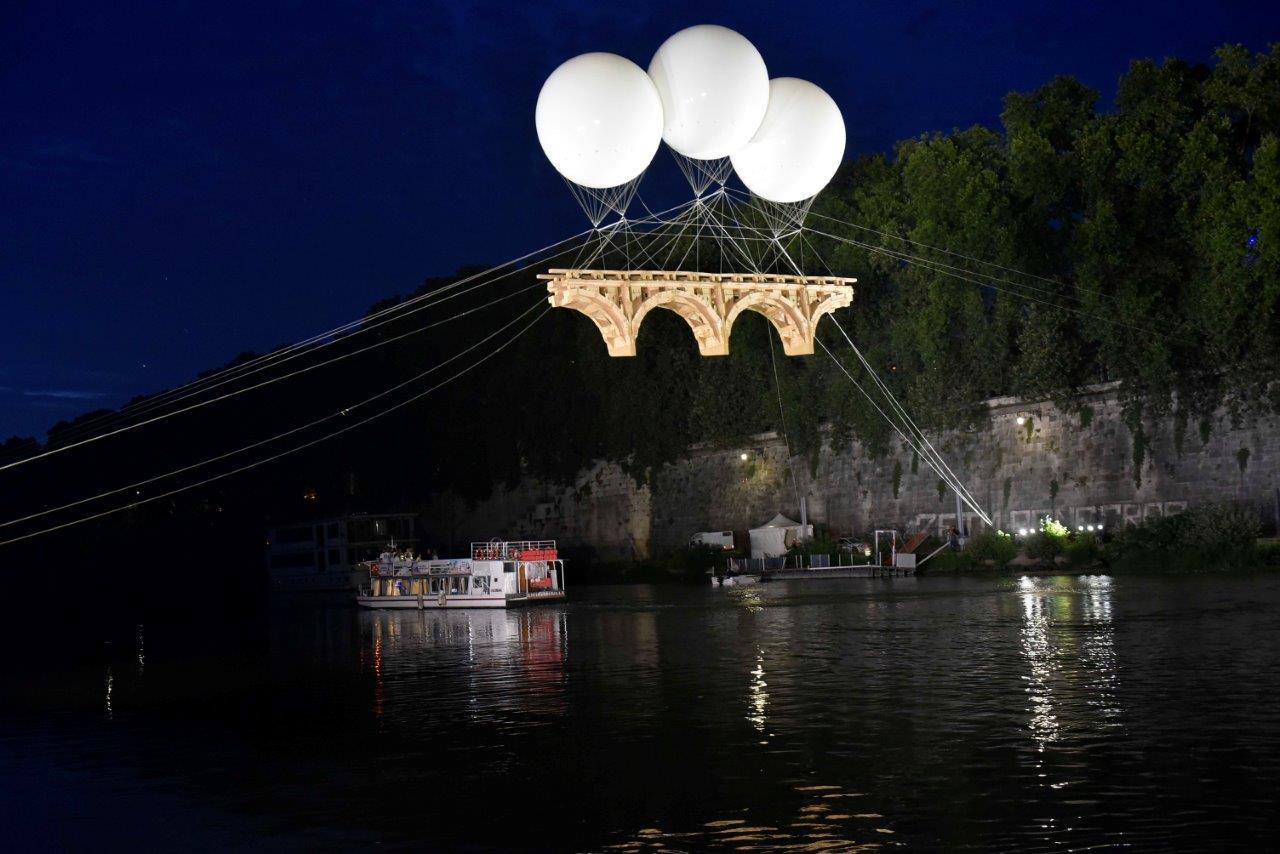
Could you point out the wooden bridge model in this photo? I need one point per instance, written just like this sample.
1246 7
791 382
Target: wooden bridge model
617 301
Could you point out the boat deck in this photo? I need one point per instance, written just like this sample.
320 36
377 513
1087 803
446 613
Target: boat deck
859 571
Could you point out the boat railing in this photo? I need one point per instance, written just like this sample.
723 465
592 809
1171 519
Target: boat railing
755 565
528 550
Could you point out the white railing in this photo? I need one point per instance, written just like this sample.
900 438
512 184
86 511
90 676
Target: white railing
515 550
787 563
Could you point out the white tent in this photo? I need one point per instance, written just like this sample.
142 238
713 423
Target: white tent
775 537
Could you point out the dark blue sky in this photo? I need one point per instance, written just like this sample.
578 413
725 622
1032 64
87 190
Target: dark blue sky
180 182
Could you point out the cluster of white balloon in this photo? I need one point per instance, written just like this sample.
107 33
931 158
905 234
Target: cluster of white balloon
707 94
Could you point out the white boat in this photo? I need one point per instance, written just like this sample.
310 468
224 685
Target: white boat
497 575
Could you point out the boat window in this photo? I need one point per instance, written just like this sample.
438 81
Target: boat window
333 556
435 585
333 530
481 584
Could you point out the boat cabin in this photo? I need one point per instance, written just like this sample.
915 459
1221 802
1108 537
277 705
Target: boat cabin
498 573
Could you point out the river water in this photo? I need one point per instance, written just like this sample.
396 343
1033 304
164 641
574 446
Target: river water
1028 714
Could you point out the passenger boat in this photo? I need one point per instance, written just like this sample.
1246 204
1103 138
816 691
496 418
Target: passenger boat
498 574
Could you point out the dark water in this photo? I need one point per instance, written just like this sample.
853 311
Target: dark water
995 714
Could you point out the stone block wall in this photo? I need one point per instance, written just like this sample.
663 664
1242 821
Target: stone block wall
1078 468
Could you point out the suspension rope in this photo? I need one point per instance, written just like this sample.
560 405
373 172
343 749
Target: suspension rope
901 412
942 471
233 393
288 451
343 411
259 363
990 282
782 419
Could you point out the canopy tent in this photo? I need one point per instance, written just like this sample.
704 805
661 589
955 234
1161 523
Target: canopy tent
775 537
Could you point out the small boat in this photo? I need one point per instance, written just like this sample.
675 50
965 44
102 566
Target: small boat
498 574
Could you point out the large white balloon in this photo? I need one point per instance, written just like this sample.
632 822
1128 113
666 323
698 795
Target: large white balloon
714 88
599 120
798 147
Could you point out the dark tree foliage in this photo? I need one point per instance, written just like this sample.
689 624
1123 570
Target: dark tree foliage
1138 245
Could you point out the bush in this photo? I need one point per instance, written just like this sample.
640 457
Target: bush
1054 528
1220 528
1268 556
1207 538
949 561
1082 550
1043 546
995 546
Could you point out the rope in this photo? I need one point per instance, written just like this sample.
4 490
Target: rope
284 453
284 354
339 412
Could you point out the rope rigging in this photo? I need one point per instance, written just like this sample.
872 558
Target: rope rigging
341 412
744 231
311 443
325 339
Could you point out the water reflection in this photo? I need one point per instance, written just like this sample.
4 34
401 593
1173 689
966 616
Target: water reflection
511 663
1039 654
758 694
110 689
1068 642
942 713
1098 647
818 817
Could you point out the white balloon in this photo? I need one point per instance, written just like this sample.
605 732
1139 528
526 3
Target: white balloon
599 120
798 147
714 88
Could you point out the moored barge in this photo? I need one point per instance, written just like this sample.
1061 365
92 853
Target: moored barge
498 574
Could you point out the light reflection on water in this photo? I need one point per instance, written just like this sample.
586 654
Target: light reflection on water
758 695
998 714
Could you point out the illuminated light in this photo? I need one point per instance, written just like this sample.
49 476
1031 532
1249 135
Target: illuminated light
1090 527
1022 532
1022 419
743 456
1081 527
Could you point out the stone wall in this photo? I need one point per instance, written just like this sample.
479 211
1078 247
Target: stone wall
1078 468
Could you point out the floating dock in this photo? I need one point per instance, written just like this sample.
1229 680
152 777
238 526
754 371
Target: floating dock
860 571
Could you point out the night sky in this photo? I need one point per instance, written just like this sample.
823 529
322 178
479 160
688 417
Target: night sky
181 182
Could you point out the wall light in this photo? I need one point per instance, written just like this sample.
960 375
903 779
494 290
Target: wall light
1022 419
743 456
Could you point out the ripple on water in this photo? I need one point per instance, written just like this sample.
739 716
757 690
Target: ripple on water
1014 714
